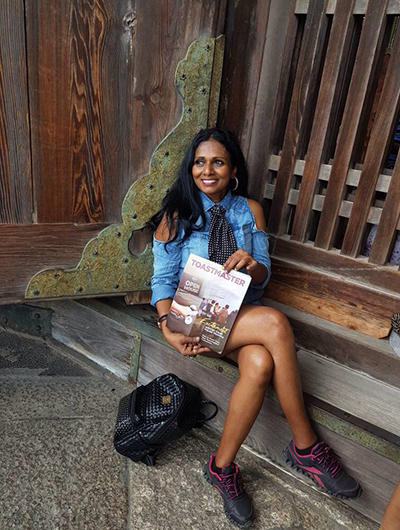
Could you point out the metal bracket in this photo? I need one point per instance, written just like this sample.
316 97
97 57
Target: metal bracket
31 320
107 265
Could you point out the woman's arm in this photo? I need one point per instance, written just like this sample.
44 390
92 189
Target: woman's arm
391 519
164 284
242 259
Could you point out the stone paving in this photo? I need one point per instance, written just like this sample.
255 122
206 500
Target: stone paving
59 470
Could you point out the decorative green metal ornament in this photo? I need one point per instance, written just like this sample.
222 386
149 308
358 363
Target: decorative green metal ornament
107 266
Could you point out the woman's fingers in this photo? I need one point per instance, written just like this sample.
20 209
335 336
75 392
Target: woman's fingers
200 349
189 340
238 260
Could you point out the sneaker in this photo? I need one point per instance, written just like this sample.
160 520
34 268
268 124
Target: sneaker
237 503
324 468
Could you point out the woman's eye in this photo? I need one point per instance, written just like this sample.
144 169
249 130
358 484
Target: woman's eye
199 162
218 162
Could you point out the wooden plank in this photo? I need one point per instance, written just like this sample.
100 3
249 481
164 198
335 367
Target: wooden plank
87 128
163 32
335 55
353 175
282 23
370 40
371 356
387 112
329 286
15 156
374 213
80 86
346 389
328 308
378 475
389 220
247 24
300 108
26 249
294 35
100 339
384 279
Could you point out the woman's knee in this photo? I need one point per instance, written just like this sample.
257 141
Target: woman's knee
257 364
278 326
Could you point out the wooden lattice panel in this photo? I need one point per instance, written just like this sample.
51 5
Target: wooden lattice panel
337 106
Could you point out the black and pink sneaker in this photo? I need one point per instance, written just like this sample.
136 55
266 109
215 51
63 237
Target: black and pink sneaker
237 503
324 468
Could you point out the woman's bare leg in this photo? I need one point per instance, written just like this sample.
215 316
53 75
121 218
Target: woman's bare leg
270 328
255 372
391 519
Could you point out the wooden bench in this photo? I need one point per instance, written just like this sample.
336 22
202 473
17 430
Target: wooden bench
353 407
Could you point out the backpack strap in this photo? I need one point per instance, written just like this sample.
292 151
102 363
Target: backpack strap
202 417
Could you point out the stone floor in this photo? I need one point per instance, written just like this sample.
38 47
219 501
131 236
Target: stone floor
59 470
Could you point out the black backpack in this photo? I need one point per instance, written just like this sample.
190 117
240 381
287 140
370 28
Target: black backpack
155 414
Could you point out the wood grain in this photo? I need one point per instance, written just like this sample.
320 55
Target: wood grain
274 78
102 340
15 156
367 53
26 249
98 120
389 220
291 52
80 86
329 309
163 32
301 109
331 287
374 357
346 390
341 28
384 279
246 27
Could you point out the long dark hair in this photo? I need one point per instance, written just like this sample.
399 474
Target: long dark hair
182 204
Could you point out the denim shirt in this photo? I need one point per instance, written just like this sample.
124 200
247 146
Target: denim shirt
170 260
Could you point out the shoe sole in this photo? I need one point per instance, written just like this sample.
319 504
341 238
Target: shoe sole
290 464
232 521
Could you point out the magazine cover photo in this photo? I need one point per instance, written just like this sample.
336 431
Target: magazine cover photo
207 301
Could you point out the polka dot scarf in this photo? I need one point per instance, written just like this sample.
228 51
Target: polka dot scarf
221 241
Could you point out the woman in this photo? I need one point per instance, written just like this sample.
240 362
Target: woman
391 518
207 212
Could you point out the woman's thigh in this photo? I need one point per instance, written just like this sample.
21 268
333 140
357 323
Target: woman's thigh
257 325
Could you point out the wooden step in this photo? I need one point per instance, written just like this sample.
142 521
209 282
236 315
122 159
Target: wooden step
340 397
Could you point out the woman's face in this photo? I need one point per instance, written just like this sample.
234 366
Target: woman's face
212 170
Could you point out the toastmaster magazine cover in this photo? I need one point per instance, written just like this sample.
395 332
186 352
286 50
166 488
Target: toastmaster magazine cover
207 302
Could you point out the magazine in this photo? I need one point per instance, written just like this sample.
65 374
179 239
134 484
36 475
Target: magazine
207 302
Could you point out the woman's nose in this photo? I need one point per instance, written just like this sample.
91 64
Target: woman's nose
208 168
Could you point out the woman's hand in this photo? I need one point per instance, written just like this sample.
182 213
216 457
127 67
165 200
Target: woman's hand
242 259
239 260
185 345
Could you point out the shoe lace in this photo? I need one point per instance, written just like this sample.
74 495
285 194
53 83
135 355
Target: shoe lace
232 484
327 459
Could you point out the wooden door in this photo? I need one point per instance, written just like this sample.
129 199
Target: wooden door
86 94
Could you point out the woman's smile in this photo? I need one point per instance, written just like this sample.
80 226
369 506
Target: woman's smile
212 169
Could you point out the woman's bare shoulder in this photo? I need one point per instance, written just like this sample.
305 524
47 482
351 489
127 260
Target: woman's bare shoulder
258 213
163 232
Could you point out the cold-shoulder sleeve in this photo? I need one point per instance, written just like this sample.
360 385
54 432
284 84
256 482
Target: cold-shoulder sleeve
260 252
167 260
